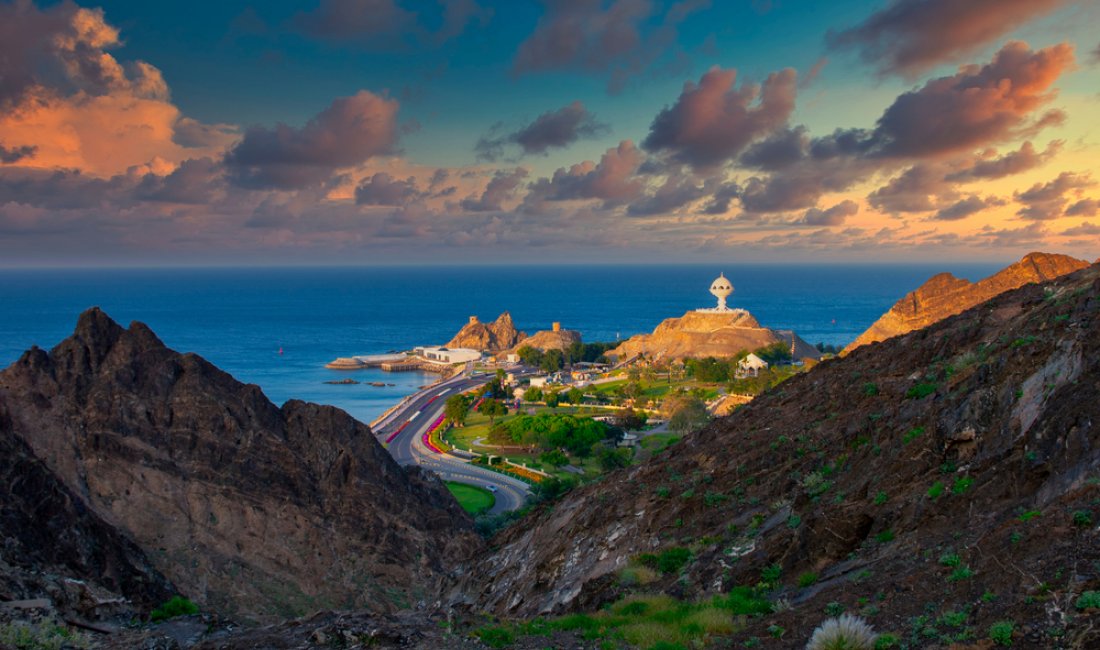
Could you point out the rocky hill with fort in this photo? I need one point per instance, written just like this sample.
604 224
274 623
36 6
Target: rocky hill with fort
499 335
155 472
710 334
945 295
554 338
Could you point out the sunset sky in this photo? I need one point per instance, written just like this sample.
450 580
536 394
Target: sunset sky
473 131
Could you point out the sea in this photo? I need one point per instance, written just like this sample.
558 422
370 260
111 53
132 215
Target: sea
277 327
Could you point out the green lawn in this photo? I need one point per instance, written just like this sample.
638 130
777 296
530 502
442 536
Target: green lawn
472 499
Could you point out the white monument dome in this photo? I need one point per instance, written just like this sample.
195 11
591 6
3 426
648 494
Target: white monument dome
721 289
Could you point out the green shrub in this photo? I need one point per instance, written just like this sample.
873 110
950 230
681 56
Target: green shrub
912 434
770 574
663 492
834 608
960 573
668 561
950 559
1088 600
920 391
885 536
496 637
880 498
176 606
870 389
962 484
935 491
843 633
887 641
794 521
807 579
1082 518
45 634
1029 515
1001 632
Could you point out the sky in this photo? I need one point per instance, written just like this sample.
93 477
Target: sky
556 131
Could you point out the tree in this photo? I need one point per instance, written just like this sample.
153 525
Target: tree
533 394
574 395
492 409
631 420
688 414
530 356
575 352
778 352
552 360
610 459
554 457
456 409
552 399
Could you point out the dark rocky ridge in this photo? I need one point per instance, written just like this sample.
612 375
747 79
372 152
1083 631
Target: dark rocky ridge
251 510
830 474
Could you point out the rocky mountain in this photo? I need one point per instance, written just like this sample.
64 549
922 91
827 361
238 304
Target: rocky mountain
709 334
944 485
555 338
251 510
945 295
499 335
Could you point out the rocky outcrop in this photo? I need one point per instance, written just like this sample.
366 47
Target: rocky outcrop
950 469
555 338
499 335
252 510
53 547
709 334
945 295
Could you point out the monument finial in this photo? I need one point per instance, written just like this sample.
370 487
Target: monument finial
721 289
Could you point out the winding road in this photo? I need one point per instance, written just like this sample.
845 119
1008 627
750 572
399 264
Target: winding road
411 420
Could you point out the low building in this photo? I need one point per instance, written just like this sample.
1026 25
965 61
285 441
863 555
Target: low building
447 356
539 382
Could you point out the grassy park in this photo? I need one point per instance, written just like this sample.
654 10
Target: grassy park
473 500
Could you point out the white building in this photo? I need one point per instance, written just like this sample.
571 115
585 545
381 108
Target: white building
751 365
539 382
447 356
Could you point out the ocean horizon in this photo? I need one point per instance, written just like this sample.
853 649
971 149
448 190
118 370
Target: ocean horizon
277 326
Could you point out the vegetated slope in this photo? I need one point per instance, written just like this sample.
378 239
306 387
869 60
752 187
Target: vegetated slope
945 295
51 546
253 511
936 483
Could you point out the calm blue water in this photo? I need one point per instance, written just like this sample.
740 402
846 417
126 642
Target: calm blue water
240 318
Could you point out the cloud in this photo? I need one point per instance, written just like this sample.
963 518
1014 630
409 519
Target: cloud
834 216
383 189
782 149
64 95
613 180
195 182
965 207
193 134
1084 208
501 188
676 192
617 39
1045 201
1083 230
551 130
909 37
15 154
1013 162
348 132
386 24
975 107
918 189
712 122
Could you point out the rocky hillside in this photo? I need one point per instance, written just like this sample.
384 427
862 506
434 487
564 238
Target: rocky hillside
945 295
254 511
499 335
555 338
52 547
708 334
944 485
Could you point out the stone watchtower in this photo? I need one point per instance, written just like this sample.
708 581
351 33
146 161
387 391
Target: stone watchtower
721 289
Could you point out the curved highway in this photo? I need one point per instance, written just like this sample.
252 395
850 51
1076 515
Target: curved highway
411 420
